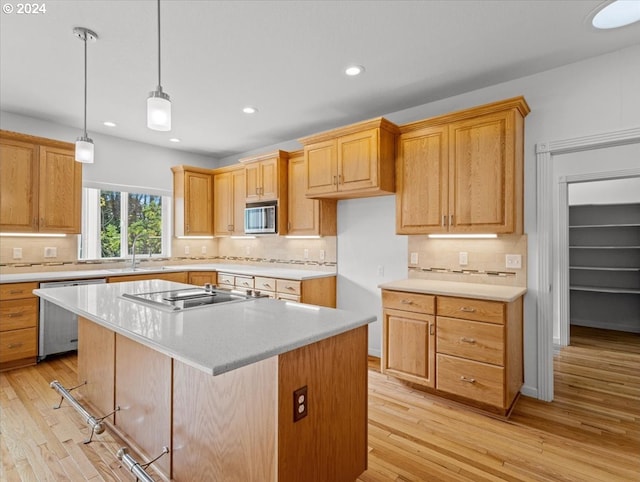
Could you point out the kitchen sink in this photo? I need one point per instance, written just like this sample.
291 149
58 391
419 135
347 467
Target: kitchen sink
186 298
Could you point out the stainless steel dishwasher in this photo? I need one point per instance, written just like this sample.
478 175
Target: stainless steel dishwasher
59 327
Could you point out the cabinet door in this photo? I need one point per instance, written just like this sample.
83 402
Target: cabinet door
269 180
252 182
18 186
198 204
238 201
60 197
482 174
200 278
303 212
409 346
422 176
321 167
358 161
223 225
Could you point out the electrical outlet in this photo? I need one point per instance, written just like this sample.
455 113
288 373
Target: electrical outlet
186 250
322 255
381 270
463 258
414 258
247 249
306 253
300 403
17 253
203 250
50 252
513 261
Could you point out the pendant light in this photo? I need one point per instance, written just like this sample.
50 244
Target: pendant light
84 145
158 102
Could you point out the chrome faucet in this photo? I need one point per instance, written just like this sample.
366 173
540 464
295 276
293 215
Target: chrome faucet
133 251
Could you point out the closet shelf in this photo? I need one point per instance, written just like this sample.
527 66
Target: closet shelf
605 268
628 225
602 289
604 247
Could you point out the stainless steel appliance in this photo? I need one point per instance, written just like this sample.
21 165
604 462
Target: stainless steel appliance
59 327
187 298
261 218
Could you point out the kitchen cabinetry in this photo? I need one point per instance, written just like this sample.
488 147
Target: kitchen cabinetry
308 217
229 201
235 281
350 162
604 257
463 172
200 278
470 352
40 185
192 201
177 276
18 325
266 177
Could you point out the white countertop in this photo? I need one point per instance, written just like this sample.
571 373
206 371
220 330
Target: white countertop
215 339
455 288
254 270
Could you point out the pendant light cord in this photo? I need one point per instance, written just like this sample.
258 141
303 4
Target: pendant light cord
85 84
159 82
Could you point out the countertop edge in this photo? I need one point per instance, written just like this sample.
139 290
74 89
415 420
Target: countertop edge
502 293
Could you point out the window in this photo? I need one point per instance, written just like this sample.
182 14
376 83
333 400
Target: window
114 217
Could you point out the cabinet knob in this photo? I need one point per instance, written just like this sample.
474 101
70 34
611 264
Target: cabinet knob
467 309
464 339
467 380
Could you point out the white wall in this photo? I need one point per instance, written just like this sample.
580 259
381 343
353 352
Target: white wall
117 161
613 191
593 96
369 253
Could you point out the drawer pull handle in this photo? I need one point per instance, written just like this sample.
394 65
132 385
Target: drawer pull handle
16 314
15 345
467 380
16 292
406 302
291 288
464 339
467 309
267 285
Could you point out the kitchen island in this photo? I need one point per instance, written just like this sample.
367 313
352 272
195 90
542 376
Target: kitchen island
221 386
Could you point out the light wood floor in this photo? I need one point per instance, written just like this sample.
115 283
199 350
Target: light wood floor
591 432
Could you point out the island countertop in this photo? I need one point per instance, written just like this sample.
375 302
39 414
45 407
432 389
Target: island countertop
455 288
214 339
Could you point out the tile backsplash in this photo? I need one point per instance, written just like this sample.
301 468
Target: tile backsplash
486 263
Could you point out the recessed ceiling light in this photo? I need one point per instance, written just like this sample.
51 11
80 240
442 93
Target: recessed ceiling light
354 70
617 14
109 124
249 110
174 139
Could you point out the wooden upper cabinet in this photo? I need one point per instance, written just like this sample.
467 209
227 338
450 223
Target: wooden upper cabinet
265 177
353 161
463 172
307 216
60 196
192 201
40 185
229 201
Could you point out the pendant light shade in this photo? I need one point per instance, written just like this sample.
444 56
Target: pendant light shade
84 145
158 102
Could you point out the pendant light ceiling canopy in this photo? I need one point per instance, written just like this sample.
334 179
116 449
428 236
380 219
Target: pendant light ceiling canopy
84 145
158 102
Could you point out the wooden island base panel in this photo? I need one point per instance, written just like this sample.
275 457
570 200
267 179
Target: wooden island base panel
237 426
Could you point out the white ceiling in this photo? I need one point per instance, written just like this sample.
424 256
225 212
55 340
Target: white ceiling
284 57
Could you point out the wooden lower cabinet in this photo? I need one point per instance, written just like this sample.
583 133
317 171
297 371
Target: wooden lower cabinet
200 278
317 291
470 351
237 426
18 325
178 277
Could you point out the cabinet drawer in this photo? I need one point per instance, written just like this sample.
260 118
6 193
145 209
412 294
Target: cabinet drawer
17 314
475 380
265 284
471 339
286 297
243 282
285 286
226 279
469 309
416 302
15 291
18 344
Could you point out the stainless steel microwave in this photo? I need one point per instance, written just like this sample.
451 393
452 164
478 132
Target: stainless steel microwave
261 218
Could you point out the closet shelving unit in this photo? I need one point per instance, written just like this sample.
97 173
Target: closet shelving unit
604 260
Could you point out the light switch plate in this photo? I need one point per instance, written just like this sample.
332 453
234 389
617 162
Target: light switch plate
463 258
186 250
513 261
17 253
322 255
414 258
50 252
203 250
